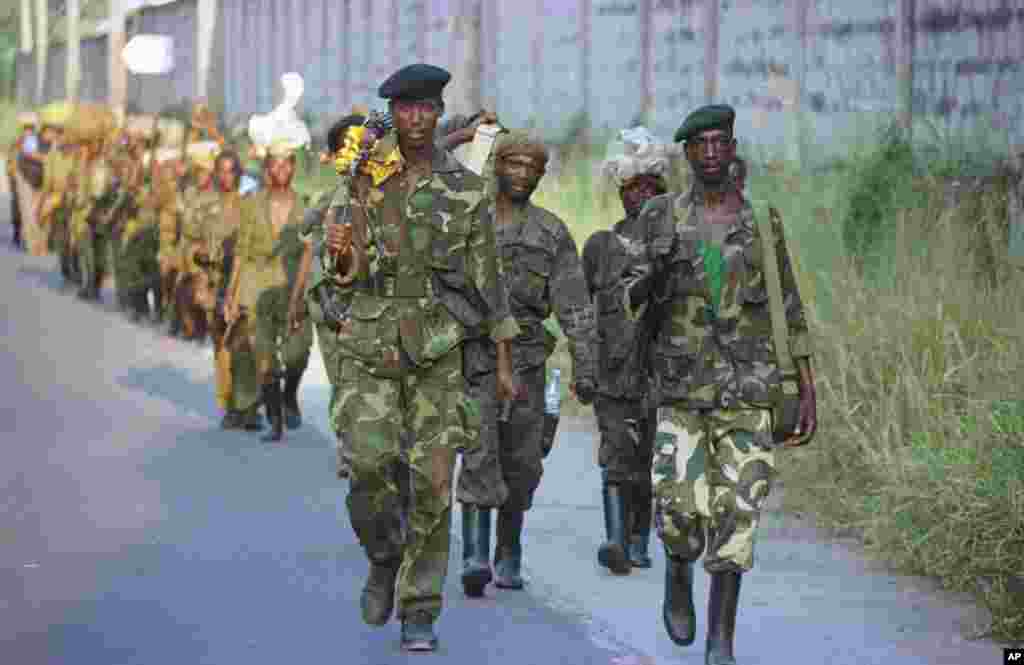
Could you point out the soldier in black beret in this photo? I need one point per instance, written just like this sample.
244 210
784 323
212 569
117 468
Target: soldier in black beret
402 462
710 268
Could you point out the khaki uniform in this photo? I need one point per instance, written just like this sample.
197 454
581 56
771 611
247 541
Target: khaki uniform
267 264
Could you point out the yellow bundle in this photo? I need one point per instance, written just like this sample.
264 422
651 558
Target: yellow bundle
385 158
90 122
55 114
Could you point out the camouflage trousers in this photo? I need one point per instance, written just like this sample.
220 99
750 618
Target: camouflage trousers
93 255
391 481
137 268
506 469
713 470
627 439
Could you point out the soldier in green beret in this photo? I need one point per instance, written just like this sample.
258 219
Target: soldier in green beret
718 374
420 264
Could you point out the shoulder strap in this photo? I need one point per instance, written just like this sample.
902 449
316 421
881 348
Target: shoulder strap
776 306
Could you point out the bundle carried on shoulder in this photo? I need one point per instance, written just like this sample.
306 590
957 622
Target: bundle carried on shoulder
90 122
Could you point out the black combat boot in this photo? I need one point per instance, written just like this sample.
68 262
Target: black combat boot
377 601
233 419
292 415
642 507
275 411
722 605
252 419
508 551
678 611
614 553
418 632
476 546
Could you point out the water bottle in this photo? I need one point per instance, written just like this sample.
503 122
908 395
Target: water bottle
552 393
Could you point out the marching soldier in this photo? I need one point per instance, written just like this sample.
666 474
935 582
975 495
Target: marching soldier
625 406
710 267
52 211
138 271
544 275
201 202
91 127
166 200
220 234
26 128
266 263
420 262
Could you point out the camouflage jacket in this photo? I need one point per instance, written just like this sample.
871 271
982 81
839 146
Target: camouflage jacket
544 275
197 207
623 343
266 260
709 354
429 276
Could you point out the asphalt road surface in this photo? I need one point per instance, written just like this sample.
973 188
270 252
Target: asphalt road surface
134 532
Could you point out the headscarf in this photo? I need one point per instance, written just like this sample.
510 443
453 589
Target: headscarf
636 152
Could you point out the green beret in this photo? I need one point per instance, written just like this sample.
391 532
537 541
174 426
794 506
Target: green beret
419 81
715 116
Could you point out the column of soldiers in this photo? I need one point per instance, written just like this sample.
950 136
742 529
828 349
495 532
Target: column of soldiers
430 289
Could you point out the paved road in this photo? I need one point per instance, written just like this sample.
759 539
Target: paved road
134 532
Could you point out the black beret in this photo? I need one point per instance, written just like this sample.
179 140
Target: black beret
419 81
715 116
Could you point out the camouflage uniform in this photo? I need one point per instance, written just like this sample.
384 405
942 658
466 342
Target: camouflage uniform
138 271
544 276
197 206
714 363
625 407
431 282
88 236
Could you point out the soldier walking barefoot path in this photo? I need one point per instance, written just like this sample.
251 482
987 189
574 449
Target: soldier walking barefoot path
134 530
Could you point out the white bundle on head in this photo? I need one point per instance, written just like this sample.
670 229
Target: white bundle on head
636 152
281 130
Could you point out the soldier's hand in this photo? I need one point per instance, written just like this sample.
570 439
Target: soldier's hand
509 389
485 118
339 238
584 391
807 422
296 316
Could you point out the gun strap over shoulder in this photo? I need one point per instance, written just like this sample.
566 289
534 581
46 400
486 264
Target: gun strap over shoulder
776 305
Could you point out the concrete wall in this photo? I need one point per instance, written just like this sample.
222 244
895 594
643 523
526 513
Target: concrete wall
968 60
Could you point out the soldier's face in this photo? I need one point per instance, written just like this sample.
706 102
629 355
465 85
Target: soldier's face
415 121
635 192
518 176
48 135
279 171
226 176
710 153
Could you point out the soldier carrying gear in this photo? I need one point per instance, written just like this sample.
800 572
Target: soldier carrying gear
200 202
90 127
625 406
166 200
53 207
542 267
705 264
266 265
26 128
423 274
